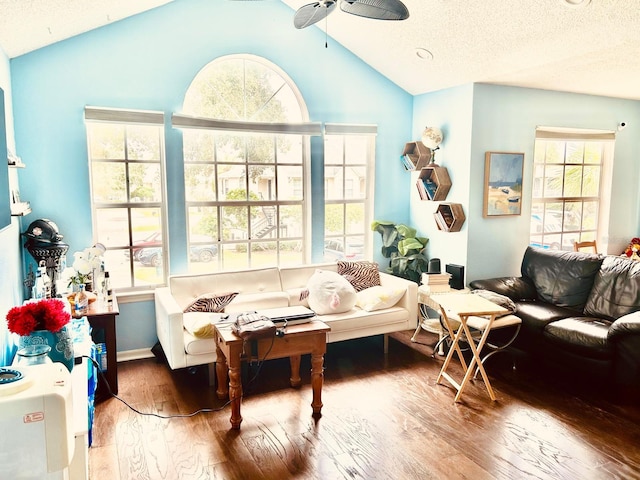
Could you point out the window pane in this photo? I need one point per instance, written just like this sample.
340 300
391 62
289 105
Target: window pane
112 227
143 143
198 146
108 181
593 152
334 219
356 149
199 182
261 183
291 253
230 148
235 256
333 150
203 221
575 152
289 148
260 148
334 183
235 223
355 218
107 142
591 182
144 182
290 186
554 152
291 221
572 181
553 181
263 222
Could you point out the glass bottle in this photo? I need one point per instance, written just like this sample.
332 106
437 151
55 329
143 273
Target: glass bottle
81 301
107 289
38 286
33 355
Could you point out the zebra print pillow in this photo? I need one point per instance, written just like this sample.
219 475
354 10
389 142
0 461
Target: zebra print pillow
211 302
361 274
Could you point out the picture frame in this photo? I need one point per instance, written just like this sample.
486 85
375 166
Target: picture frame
503 173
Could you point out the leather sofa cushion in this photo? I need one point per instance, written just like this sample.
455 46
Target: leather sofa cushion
537 315
561 278
586 336
616 289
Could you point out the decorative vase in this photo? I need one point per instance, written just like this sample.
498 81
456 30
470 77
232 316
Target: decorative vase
61 343
33 355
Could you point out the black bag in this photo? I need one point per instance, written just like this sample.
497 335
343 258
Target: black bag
250 326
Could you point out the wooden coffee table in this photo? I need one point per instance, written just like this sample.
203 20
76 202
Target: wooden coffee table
297 340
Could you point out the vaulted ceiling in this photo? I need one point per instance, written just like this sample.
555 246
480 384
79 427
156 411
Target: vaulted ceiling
547 44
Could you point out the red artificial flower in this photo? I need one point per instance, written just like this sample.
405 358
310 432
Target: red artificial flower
49 314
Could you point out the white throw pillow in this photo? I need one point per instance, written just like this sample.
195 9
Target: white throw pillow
330 292
379 297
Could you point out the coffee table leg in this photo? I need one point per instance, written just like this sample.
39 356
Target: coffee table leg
235 392
317 378
221 372
295 379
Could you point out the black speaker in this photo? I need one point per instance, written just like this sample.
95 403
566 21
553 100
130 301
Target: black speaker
457 276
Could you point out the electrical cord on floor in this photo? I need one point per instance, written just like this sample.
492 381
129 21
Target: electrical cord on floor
260 362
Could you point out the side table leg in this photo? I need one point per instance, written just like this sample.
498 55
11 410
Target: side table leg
317 379
295 379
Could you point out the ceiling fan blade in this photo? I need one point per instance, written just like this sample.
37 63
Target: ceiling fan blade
376 9
313 12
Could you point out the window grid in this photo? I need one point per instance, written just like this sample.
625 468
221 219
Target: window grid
565 196
126 162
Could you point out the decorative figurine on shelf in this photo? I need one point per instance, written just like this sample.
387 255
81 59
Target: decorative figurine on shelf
44 243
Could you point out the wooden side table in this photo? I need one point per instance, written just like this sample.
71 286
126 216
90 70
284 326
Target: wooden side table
298 339
102 319
461 308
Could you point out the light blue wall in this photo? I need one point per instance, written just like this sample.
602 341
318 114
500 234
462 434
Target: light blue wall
451 111
501 118
148 62
10 254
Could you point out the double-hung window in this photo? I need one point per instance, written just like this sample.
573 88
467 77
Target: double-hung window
569 179
126 163
349 158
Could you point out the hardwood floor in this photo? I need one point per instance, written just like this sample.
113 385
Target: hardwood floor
383 418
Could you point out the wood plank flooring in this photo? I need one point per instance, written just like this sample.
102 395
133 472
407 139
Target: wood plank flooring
383 418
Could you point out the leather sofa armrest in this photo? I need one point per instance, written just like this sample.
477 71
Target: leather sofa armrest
624 326
516 288
170 327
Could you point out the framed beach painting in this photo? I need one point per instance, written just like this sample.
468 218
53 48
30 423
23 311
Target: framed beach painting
502 184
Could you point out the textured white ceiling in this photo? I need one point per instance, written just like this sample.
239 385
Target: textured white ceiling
531 43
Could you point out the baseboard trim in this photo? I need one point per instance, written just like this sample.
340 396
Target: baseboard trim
137 354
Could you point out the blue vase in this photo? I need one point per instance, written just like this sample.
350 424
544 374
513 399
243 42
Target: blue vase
61 343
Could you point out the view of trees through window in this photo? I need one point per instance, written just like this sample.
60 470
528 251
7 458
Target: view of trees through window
566 189
126 163
346 183
244 189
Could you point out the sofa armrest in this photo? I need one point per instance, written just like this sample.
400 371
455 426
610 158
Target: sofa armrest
169 327
409 301
516 288
624 326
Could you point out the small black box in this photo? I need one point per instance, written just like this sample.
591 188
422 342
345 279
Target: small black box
457 276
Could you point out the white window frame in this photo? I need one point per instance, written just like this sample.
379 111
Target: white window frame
606 140
126 117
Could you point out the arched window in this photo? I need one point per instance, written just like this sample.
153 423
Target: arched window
246 156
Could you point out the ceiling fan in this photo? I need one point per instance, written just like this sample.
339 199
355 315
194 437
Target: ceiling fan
376 9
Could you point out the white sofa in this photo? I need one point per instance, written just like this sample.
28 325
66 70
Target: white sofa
262 288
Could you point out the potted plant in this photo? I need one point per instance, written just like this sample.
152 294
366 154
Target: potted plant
404 250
